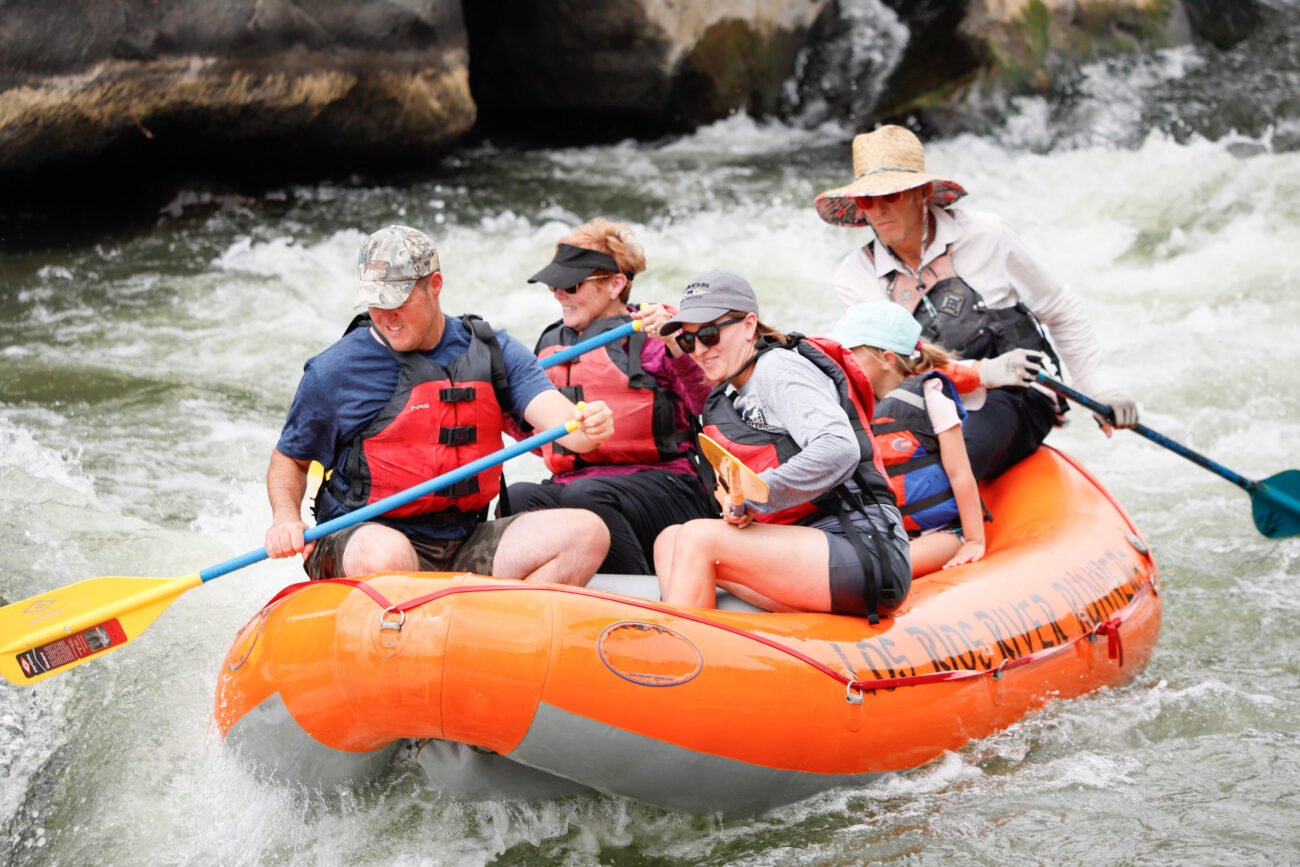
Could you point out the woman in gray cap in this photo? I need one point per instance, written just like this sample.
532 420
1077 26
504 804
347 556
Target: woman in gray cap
828 537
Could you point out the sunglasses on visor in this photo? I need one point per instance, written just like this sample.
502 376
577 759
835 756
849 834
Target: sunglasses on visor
709 335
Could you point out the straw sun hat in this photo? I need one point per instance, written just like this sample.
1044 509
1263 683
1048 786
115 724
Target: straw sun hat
887 160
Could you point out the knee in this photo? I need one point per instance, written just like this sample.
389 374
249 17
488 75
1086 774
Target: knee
590 531
695 539
663 550
376 548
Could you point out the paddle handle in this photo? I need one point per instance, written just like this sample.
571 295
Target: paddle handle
401 498
591 343
1155 436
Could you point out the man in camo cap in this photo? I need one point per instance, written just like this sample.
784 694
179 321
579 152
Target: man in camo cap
389 265
412 396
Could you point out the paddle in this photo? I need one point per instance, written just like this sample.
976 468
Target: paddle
591 343
1275 501
741 482
48 634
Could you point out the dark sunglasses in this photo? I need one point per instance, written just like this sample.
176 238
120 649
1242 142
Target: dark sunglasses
866 203
709 335
573 290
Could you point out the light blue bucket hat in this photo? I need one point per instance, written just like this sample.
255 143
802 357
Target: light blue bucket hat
879 324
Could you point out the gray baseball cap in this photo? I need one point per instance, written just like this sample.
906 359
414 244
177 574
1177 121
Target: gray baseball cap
711 295
390 263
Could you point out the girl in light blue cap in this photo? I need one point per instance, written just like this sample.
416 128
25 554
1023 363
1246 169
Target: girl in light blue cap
918 427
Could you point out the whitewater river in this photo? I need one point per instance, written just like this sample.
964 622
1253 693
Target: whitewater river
145 374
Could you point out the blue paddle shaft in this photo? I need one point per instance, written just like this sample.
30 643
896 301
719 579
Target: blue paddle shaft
590 343
1155 436
401 498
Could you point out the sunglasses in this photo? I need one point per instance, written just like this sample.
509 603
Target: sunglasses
573 290
866 203
709 335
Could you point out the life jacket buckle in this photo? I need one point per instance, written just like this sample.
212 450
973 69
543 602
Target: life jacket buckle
456 394
463 435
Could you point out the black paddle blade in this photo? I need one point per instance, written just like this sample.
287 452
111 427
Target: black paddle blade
1275 504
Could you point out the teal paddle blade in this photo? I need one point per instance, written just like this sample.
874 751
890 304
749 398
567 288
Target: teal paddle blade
1275 504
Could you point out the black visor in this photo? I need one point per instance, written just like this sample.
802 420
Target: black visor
572 265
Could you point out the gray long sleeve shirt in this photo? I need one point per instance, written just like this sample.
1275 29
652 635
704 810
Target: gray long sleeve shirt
787 394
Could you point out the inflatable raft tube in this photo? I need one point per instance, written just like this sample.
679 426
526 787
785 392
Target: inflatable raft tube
503 689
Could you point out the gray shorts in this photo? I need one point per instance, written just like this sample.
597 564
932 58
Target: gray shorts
849 580
472 554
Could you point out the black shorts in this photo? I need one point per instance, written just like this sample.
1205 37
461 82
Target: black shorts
472 554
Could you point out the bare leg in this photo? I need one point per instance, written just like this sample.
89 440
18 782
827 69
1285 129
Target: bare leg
556 546
376 548
664 552
785 566
931 551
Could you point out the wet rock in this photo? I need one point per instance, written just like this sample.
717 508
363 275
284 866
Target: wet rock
1224 23
638 65
269 81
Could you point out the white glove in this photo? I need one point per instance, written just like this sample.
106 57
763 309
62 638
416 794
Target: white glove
1124 408
1019 367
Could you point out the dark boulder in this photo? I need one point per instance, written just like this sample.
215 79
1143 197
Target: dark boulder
272 85
572 68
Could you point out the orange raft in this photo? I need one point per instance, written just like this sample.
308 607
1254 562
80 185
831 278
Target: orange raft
499 688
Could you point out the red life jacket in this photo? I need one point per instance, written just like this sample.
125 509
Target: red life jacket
761 450
910 449
645 432
438 419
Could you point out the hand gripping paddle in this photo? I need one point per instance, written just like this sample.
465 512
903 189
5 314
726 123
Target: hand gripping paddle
741 482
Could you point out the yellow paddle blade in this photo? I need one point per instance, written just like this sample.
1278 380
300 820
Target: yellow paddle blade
315 476
755 488
48 634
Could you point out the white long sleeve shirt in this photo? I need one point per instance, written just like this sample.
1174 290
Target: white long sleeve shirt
998 265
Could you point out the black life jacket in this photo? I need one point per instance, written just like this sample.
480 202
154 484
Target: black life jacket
953 315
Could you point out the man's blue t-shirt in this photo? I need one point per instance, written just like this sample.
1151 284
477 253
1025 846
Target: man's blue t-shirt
348 384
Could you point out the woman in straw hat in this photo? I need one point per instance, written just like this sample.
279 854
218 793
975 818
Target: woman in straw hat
974 286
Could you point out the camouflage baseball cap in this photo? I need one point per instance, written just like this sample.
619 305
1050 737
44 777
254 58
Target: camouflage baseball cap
389 264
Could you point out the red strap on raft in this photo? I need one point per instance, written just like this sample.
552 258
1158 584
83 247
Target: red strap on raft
1109 628
1114 646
